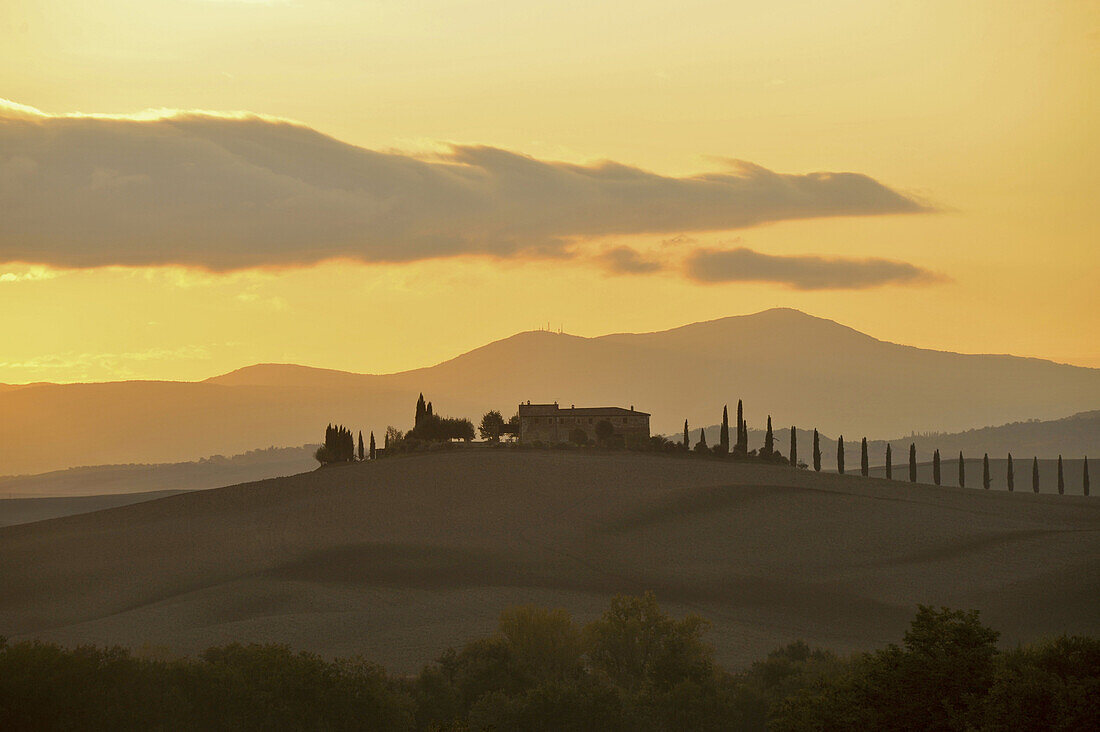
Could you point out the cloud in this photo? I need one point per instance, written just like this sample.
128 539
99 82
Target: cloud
801 272
32 274
113 365
233 191
625 260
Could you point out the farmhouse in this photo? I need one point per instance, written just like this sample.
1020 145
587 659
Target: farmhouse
551 423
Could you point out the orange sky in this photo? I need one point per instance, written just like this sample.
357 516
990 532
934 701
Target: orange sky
985 111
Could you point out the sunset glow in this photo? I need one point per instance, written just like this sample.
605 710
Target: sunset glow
451 173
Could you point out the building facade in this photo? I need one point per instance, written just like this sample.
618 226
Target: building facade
550 423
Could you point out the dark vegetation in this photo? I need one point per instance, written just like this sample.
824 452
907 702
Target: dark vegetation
634 668
339 445
430 431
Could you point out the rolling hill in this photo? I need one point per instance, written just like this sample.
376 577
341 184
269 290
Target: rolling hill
399 558
801 369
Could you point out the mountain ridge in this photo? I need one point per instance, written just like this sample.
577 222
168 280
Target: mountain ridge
799 368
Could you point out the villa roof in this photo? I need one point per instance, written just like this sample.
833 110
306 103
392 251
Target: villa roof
584 411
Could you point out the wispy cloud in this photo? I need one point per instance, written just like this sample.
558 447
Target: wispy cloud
801 272
234 191
626 260
110 365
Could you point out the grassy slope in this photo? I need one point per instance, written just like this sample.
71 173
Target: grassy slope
400 558
26 510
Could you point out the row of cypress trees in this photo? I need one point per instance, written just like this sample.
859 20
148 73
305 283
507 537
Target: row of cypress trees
768 452
937 477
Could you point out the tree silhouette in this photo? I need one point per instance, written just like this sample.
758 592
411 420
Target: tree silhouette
724 435
604 431
769 440
492 423
864 464
1085 477
428 410
1035 474
1011 475
742 433
840 455
817 452
373 451
339 445
794 446
912 462
702 439
962 471
889 463
362 451
1061 479
985 472
686 445
421 408
936 467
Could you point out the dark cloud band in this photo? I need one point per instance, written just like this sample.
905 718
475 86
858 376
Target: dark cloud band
230 192
801 272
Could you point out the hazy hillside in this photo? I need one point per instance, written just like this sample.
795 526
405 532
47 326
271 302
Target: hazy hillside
1072 437
27 510
397 559
210 472
801 369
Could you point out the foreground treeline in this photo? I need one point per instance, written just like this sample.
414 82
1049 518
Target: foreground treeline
635 668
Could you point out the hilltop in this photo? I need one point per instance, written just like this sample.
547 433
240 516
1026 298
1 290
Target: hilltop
801 369
398 558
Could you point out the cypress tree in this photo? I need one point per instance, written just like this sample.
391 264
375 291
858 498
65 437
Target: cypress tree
1085 477
373 451
817 452
1035 474
702 438
840 455
985 472
687 445
742 433
421 408
962 471
1061 480
936 467
889 463
362 451
1011 475
794 446
864 464
769 440
724 435
912 462
428 410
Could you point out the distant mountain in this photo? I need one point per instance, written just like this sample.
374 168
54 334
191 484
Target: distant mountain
1075 437
801 369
